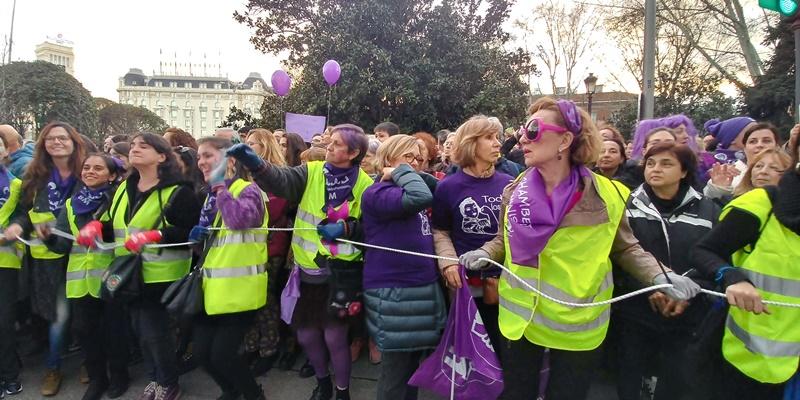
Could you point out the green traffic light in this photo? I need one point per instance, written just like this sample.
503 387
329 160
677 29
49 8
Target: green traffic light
787 7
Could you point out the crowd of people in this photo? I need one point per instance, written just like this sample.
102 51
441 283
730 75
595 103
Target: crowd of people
293 239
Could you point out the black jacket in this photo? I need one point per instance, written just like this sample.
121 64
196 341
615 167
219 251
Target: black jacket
669 235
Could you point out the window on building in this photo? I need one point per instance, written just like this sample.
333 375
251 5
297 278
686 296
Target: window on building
174 114
203 85
203 124
188 123
217 114
203 115
187 113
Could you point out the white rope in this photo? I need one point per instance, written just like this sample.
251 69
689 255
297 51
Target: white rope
267 229
515 276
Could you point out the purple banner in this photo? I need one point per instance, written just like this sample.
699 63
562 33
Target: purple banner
305 125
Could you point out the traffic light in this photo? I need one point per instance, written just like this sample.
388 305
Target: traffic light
787 8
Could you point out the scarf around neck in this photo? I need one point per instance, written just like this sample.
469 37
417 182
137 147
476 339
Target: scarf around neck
533 216
339 183
88 200
5 186
58 190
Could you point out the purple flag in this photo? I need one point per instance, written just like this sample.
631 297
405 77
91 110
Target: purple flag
464 364
305 125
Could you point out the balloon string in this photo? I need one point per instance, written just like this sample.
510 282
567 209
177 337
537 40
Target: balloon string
328 117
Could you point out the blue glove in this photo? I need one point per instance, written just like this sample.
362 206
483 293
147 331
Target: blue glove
218 173
198 234
331 231
245 155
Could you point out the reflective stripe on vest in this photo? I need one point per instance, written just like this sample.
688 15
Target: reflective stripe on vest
764 347
37 248
85 266
158 264
10 254
235 267
570 272
307 243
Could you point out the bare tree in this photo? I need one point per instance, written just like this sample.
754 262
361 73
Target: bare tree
566 33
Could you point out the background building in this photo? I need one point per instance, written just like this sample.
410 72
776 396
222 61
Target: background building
603 103
196 104
57 51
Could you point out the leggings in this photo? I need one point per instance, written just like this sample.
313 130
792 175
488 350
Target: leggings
318 343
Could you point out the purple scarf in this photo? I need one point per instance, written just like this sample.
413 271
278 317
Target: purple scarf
58 190
533 216
87 200
339 183
209 210
5 186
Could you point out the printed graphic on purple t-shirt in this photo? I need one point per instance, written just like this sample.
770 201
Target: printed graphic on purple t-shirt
469 208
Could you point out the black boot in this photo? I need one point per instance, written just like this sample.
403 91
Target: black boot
324 389
118 385
342 394
95 390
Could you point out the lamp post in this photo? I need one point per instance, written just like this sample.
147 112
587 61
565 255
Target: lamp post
591 86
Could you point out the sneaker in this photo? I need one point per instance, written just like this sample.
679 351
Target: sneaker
12 387
51 383
172 392
149 391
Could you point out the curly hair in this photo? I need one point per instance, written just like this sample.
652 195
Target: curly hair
179 137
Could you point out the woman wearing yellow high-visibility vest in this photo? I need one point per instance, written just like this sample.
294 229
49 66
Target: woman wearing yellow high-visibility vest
10 264
234 269
50 179
100 326
753 254
325 285
154 189
561 226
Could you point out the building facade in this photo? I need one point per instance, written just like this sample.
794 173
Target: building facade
195 104
57 51
604 104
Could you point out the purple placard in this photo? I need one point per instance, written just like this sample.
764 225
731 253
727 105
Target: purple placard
305 125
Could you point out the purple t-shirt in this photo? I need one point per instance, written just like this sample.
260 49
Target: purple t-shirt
387 224
469 208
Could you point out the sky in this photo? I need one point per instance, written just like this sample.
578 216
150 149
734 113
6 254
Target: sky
110 37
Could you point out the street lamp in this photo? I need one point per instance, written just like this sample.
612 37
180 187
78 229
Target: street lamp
591 86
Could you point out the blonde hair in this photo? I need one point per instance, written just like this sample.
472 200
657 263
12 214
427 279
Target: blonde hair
393 148
271 151
746 183
586 146
466 142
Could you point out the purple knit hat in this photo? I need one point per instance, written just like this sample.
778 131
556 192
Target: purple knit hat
726 131
673 121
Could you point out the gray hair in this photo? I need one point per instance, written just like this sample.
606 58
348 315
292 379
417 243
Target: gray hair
373 145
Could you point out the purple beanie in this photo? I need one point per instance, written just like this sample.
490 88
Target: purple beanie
726 131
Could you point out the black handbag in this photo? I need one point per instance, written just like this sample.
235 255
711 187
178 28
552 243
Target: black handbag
184 297
122 281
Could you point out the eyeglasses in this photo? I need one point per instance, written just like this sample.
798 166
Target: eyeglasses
60 139
181 149
533 130
411 157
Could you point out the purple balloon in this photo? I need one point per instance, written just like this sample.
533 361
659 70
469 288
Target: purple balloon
281 81
331 71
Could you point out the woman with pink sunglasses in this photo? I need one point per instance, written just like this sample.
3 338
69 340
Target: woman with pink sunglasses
562 226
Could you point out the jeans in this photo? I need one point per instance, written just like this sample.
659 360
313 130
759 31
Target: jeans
58 329
570 374
9 360
216 346
101 328
151 323
396 369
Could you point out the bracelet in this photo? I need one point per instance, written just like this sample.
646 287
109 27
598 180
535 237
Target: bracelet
721 273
